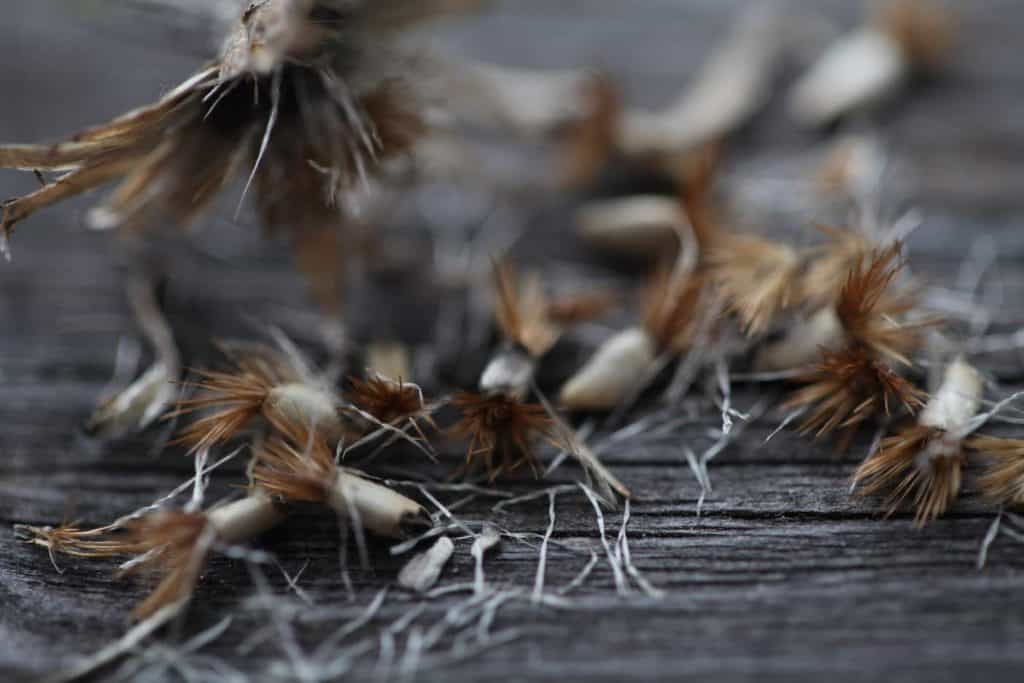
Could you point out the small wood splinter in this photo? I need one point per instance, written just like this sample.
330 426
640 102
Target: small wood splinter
874 62
924 462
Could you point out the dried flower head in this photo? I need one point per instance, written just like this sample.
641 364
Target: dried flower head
872 313
847 388
307 99
756 277
922 464
1002 480
502 432
521 311
671 309
925 30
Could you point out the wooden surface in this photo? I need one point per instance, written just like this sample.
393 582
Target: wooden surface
783 577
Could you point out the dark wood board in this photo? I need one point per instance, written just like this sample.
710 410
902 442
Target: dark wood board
783 577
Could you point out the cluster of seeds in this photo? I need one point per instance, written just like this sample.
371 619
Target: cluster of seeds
315 105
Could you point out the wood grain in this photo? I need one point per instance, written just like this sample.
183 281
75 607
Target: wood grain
783 577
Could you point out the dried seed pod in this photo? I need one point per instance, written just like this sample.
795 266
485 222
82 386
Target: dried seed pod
521 311
639 225
612 373
264 385
298 466
312 98
502 432
802 343
757 278
622 364
141 403
873 62
926 459
172 545
729 89
530 102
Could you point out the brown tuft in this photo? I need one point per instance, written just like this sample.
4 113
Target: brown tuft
757 277
521 311
233 399
390 401
831 264
846 389
925 30
69 539
502 431
921 464
294 464
870 311
1003 478
670 309
591 143
171 543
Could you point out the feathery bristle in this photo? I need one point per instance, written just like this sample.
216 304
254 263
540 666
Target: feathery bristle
757 277
294 464
233 397
391 401
920 464
521 311
826 274
311 111
871 311
502 432
171 547
69 539
847 388
671 309
1002 480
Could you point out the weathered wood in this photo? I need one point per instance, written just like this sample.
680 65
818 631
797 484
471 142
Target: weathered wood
783 577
